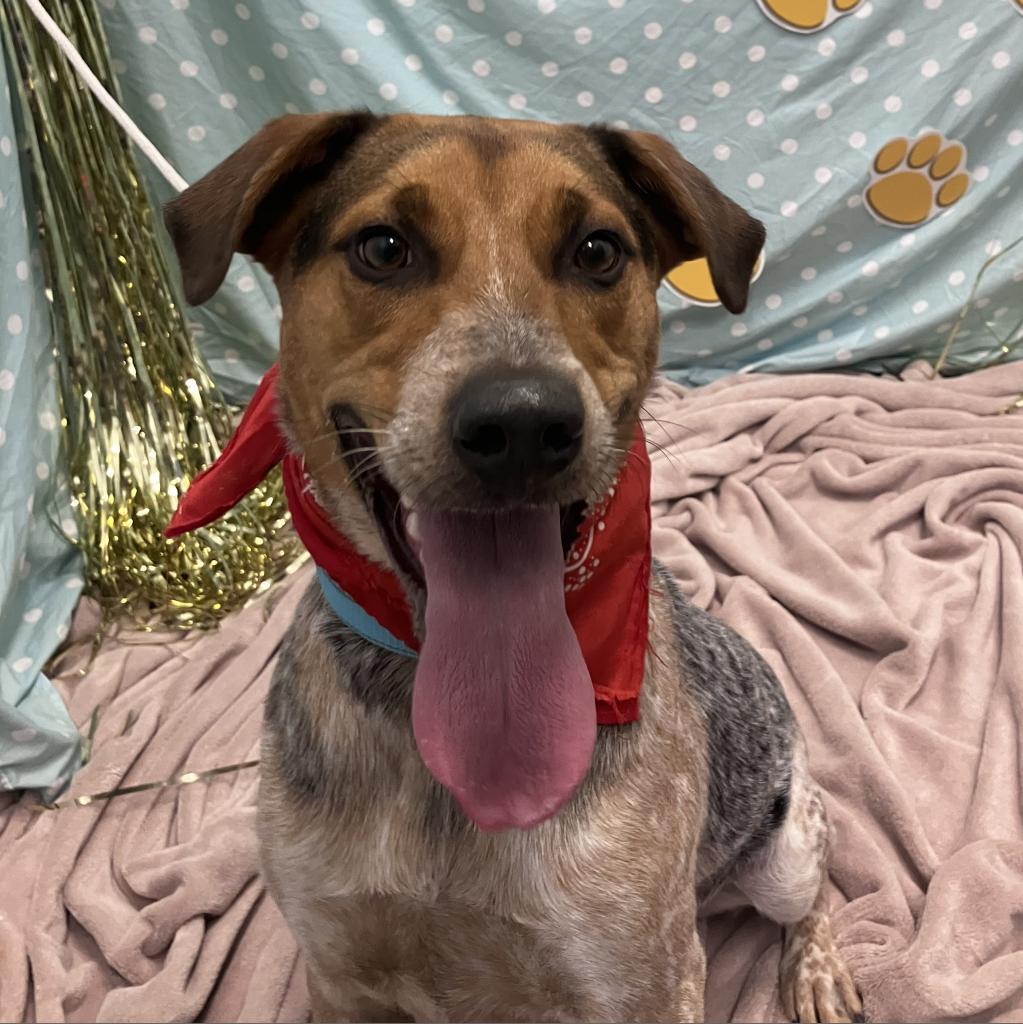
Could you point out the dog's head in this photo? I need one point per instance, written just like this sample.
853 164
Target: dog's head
469 319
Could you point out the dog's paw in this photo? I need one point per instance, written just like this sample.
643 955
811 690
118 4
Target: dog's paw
692 281
807 15
911 181
816 986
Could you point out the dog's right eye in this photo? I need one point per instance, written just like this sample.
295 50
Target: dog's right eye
382 249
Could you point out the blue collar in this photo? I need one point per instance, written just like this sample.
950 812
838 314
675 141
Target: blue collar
358 620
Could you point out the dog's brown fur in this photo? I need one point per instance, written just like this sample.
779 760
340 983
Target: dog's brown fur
591 916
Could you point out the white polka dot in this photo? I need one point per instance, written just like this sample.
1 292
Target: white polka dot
585 98
388 91
822 175
219 36
755 118
6 380
14 324
548 69
1002 192
678 327
256 73
42 471
47 420
545 6
721 89
1015 137
178 5
896 37
21 270
22 664
956 278
653 95
279 50
196 133
242 11
860 310
33 615
843 355
156 101
859 75
929 68
449 96
349 56
870 268
722 23
808 273
246 283
882 332
920 306
188 68
826 47
722 152
981 172
907 240
893 104
789 208
687 123
994 247
988 121
616 4
652 30
583 35
962 97
687 60
790 83
61 631
704 352
967 30
772 301
823 111
1000 60
118 66
414 63
834 298
844 247
738 330
375 27
825 335
444 33
865 11
513 38
480 68
517 101
789 146
476 6
147 35
619 66
800 321
291 108
755 180
317 86
755 54
764 344
932 5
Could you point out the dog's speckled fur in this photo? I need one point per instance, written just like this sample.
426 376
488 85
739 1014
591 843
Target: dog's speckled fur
403 909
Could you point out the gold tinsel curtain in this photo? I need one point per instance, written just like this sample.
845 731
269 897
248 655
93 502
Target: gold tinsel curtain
140 414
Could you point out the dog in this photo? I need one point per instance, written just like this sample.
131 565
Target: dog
469 329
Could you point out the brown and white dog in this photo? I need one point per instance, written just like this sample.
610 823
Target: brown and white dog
474 301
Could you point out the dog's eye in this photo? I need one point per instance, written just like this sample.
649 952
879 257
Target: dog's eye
382 249
599 254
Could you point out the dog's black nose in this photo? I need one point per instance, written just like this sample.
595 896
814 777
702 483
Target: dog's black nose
511 429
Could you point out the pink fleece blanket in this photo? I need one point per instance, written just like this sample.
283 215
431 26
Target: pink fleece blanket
865 534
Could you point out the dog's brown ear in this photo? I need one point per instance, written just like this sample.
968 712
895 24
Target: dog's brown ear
691 218
233 207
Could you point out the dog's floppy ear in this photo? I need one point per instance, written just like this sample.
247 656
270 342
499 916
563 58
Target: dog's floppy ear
691 218
233 207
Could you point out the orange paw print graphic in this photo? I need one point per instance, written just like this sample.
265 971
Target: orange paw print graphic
911 181
1018 4
806 15
692 281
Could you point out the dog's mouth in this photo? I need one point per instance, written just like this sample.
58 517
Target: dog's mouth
503 709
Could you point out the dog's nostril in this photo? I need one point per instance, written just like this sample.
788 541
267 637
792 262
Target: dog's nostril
486 439
559 437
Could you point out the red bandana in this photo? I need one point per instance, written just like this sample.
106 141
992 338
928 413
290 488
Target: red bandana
607 573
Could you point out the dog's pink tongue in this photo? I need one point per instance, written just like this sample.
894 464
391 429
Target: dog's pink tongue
502 707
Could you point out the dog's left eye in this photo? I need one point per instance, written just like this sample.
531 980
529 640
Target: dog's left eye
382 249
599 254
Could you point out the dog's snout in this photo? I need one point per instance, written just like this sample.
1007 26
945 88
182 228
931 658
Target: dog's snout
513 429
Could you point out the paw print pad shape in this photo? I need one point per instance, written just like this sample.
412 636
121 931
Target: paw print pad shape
807 15
692 281
912 181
